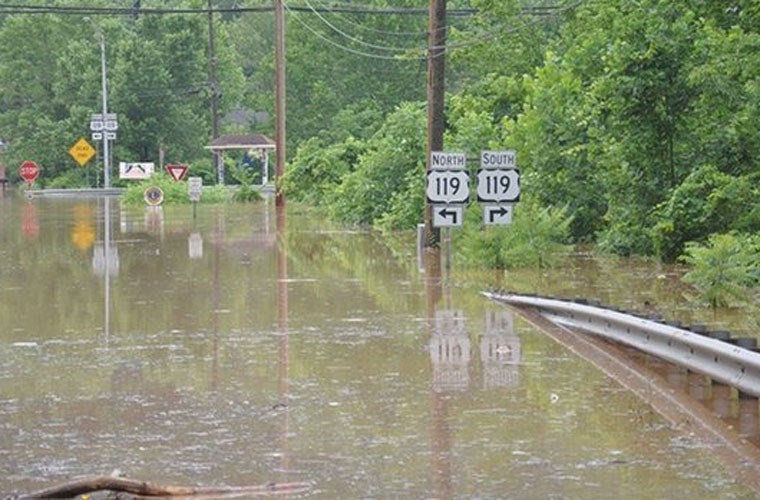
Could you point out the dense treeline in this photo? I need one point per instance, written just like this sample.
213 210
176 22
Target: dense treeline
634 122
637 119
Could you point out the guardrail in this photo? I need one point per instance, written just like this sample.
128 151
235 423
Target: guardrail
720 360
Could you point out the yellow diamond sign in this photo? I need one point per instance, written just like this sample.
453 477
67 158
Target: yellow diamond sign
82 152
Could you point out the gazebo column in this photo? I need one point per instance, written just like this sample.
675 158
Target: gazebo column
219 157
265 168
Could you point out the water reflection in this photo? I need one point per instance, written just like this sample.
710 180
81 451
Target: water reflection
247 345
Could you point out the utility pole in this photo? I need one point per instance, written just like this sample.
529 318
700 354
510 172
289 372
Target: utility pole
279 57
104 92
214 89
435 113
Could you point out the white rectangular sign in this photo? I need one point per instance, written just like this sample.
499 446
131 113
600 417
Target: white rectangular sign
135 170
448 215
442 160
498 159
497 214
195 188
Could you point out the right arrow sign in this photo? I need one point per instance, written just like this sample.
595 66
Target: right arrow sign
497 214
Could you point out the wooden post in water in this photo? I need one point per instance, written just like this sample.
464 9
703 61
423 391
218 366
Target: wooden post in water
279 113
435 122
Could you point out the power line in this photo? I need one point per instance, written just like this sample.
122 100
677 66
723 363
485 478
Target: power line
422 33
537 15
353 38
14 8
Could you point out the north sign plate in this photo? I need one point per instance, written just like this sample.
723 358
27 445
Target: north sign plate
445 160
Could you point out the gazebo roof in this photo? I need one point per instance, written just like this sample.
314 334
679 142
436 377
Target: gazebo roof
246 141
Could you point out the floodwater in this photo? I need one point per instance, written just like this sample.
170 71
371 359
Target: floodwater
239 348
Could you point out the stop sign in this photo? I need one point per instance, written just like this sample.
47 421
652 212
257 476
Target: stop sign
29 171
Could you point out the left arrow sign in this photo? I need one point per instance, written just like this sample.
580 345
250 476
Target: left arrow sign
447 215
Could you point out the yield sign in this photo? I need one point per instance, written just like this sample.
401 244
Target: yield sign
29 171
177 172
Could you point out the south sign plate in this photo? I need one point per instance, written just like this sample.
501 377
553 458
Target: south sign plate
448 186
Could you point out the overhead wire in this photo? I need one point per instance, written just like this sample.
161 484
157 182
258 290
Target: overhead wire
538 15
339 45
16 8
369 29
353 38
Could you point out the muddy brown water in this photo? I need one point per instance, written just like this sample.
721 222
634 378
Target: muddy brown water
235 349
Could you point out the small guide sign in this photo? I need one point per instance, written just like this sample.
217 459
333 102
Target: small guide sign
135 170
448 215
498 159
195 188
497 214
444 160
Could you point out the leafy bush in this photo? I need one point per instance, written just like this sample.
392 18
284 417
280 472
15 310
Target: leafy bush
725 268
174 192
247 191
537 237
73 178
380 179
318 168
686 214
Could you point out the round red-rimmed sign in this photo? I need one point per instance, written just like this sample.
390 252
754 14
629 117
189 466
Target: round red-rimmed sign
29 171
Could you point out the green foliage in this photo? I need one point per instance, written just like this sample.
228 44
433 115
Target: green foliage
537 237
381 181
50 83
319 168
174 192
72 178
246 177
707 201
640 118
550 136
328 72
725 268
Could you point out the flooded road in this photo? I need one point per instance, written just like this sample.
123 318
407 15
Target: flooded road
236 349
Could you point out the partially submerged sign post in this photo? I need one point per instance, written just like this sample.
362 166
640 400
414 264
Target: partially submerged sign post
29 171
448 187
498 186
195 190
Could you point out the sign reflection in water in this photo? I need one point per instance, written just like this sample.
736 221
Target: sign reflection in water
105 262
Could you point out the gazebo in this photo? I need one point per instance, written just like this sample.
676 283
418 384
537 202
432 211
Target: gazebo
256 145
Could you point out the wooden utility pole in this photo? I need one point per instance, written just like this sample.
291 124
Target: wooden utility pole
214 88
279 134
435 112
